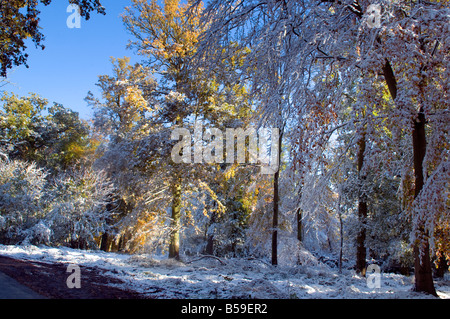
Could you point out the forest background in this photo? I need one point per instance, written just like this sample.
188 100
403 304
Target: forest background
357 89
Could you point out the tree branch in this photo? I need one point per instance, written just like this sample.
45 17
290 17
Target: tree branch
206 256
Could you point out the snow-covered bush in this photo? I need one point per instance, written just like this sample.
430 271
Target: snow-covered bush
71 210
21 191
77 208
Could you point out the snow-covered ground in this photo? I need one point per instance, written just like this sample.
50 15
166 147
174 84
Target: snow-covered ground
208 278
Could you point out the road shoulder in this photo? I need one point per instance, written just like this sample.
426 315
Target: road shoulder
50 280
11 289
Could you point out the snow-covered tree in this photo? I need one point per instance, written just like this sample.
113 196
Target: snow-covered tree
397 45
167 37
21 206
54 137
76 208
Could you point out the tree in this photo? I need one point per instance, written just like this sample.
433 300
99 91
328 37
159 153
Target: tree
388 53
20 21
167 36
273 55
362 208
127 96
56 140
76 208
129 155
50 191
425 53
69 139
21 206
22 123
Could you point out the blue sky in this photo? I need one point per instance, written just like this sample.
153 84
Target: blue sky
73 58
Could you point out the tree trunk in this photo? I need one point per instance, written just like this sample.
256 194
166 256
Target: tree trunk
442 266
275 219
361 238
299 224
174 245
209 250
390 79
105 243
362 213
120 244
422 261
341 231
276 201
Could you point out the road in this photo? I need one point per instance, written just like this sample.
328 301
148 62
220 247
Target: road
11 289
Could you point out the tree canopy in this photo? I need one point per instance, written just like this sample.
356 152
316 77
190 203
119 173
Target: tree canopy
20 21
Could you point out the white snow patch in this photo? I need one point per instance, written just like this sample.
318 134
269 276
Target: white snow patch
207 278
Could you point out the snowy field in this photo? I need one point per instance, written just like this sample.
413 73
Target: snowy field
208 278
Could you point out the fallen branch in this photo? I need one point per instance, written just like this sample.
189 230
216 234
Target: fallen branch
207 256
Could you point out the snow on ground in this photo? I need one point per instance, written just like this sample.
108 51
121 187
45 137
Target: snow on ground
208 278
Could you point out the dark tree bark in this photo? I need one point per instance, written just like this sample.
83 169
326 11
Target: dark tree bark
105 243
299 225
174 245
362 213
209 250
442 266
276 201
422 262
390 79
341 232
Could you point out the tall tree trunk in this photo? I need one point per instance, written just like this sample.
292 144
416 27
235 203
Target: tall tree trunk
341 231
105 242
276 202
299 224
442 266
422 262
209 249
174 245
362 213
